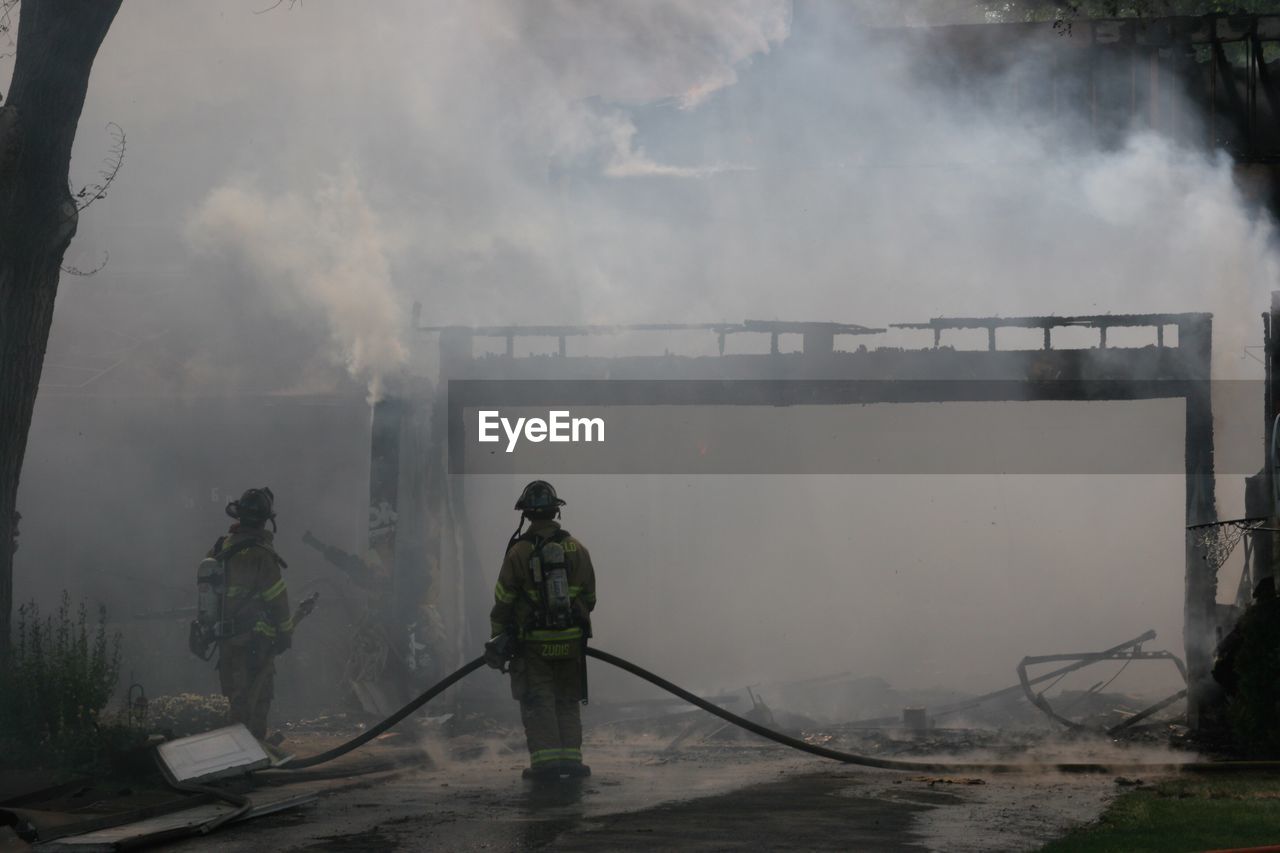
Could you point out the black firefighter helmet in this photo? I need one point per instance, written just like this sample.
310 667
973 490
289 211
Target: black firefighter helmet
255 507
539 497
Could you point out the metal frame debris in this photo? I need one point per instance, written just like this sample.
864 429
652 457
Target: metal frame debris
1126 652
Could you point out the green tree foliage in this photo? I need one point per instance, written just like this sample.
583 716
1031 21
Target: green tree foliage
1254 708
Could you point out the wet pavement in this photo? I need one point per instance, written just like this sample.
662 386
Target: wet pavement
711 797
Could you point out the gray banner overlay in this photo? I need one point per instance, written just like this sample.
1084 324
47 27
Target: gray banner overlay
804 426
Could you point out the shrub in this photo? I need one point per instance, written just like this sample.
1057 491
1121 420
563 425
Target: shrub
1254 709
187 713
59 678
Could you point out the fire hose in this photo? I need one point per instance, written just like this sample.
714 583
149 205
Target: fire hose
795 743
373 731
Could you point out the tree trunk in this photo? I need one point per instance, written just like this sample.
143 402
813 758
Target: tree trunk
57 43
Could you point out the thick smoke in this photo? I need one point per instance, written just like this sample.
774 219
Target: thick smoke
325 251
606 162
614 163
505 162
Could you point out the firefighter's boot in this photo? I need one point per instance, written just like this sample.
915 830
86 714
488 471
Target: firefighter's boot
541 773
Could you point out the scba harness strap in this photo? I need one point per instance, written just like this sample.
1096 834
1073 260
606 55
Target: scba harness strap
248 617
223 554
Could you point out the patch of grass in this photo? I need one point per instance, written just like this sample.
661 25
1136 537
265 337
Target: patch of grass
1185 814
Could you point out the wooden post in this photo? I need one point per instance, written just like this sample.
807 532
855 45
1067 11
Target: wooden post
1200 593
1264 543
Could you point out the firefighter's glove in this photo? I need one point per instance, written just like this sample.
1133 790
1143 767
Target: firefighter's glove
198 641
499 651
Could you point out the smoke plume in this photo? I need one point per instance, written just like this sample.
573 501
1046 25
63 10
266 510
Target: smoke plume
324 249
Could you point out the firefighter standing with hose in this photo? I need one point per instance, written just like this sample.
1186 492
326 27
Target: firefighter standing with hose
253 624
541 620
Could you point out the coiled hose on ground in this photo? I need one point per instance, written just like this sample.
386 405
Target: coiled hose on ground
795 743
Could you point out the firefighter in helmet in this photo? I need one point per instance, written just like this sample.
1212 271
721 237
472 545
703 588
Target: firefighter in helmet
256 624
541 620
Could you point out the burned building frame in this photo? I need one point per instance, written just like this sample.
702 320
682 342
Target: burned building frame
418 477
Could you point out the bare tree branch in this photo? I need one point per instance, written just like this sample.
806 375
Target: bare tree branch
6 27
278 4
90 193
70 270
87 195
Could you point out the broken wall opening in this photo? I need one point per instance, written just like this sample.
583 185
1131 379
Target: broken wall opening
928 582
823 374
